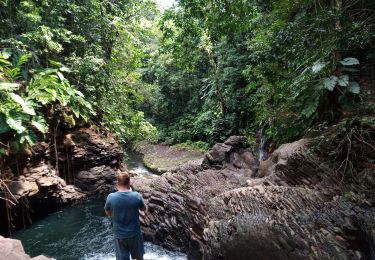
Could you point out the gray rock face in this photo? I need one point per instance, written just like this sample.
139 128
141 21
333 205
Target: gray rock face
95 160
99 179
93 149
12 249
298 209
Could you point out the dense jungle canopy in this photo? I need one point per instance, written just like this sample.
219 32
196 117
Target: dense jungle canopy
198 72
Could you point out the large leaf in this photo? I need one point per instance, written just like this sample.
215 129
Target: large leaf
349 61
343 81
60 75
39 123
317 67
16 124
25 107
79 93
330 83
6 53
29 137
354 87
9 86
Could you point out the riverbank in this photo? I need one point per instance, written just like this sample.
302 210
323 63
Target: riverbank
161 158
226 205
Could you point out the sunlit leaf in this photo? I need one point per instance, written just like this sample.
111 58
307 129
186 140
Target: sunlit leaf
6 53
317 67
343 81
25 107
330 83
16 124
61 76
354 87
9 86
39 123
349 61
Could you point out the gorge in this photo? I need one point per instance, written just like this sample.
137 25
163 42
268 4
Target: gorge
222 207
248 126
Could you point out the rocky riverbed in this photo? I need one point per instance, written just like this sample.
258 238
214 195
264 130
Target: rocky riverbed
227 205
291 206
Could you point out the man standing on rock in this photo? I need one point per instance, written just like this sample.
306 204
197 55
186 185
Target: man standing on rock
123 206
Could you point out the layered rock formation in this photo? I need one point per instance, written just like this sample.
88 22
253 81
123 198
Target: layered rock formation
94 161
12 249
86 164
292 206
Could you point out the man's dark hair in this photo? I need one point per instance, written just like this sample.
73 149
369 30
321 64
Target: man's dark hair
123 179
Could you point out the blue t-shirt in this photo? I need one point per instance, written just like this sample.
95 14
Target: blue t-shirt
125 213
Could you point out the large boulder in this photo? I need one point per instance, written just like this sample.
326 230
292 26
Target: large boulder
12 249
280 157
231 154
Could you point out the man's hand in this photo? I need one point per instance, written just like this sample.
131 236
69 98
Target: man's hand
108 213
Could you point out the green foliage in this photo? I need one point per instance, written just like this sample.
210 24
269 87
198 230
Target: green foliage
232 67
194 146
21 110
101 45
204 70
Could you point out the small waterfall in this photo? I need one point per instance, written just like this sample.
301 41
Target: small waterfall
264 146
260 138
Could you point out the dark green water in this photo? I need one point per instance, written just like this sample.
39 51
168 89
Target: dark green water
80 232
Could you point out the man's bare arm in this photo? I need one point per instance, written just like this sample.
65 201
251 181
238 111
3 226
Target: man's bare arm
108 213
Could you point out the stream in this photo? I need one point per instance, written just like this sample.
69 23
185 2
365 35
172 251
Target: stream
81 231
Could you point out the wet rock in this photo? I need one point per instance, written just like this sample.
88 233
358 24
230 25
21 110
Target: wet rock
40 180
244 159
99 179
12 249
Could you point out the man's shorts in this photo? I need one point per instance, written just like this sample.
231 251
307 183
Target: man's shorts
133 246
